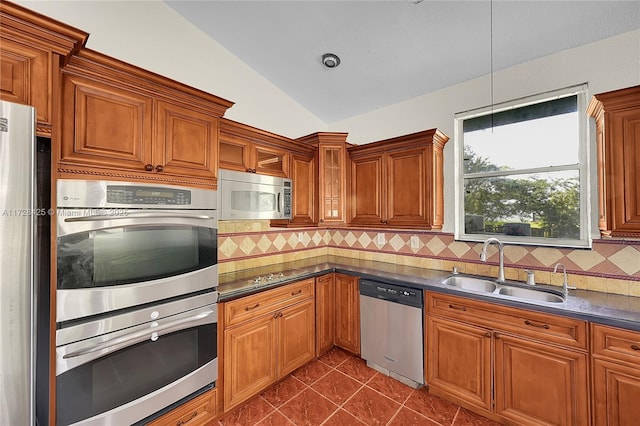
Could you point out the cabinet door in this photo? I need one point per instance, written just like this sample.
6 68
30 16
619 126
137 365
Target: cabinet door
347 299
304 170
332 183
271 161
616 392
187 142
296 336
105 126
538 383
325 313
368 193
459 361
249 359
235 154
408 180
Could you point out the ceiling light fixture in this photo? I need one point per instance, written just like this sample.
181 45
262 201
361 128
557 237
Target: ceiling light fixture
330 60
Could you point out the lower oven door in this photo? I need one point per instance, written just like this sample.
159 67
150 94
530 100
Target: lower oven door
123 376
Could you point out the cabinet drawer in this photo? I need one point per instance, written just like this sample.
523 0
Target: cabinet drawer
199 411
616 343
536 325
255 305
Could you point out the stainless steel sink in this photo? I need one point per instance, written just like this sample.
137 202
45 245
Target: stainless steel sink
530 294
470 283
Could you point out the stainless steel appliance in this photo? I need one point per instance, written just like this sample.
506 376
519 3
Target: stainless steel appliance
17 260
122 244
120 369
253 196
391 319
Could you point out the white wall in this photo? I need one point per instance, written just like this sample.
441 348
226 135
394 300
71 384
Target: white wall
151 35
605 65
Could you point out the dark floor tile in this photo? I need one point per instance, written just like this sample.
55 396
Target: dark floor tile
335 357
469 418
390 387
371 407
275 419
336 386
248 413
408 417
312 371
283 391
357 368
342 418
431 406
308 408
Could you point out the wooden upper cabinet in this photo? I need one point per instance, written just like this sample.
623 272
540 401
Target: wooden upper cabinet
32 48
332 170
122 122
248 149
617 117
399 182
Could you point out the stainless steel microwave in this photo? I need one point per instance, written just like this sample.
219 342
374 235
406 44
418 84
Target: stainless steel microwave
253 196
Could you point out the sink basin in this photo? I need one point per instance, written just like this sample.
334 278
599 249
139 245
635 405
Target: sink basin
470 283
530 294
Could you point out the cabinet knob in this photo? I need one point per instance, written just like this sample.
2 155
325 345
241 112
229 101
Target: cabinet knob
159 168
148 167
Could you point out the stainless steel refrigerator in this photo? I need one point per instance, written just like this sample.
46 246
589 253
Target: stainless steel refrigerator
17 260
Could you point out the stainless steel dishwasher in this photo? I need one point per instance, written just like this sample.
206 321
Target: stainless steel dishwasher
391 330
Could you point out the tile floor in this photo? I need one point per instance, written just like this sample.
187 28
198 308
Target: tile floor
338 389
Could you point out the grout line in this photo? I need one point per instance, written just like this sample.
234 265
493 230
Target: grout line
456 416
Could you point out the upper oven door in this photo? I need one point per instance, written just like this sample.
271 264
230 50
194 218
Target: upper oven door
114 259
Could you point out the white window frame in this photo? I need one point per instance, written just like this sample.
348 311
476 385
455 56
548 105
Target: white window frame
583 168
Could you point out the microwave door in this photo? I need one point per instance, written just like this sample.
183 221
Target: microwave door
251 201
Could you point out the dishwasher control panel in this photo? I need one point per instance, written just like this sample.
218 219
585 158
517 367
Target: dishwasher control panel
391 292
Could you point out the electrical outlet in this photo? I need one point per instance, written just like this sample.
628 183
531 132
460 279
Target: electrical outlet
381 240
414 242
300 236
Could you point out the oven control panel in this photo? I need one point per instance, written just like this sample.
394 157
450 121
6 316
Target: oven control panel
131 194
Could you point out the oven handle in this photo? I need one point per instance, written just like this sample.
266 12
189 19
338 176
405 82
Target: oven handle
128 214
137 336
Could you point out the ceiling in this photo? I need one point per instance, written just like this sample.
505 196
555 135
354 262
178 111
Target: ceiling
398 49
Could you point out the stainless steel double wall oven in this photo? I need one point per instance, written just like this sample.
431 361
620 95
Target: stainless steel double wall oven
136 295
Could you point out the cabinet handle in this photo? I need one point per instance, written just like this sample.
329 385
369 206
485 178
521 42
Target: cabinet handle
185 421
496 335
277 315
457 308
159 168
635 347
148 167
293 293
487 334
248 308
531 324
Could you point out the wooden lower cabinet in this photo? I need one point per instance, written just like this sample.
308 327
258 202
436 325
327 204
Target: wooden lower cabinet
616 394
347 312
325 313
264 348
200 411
505 363
537 383
459 361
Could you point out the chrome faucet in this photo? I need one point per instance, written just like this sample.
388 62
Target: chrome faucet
565 285
483 255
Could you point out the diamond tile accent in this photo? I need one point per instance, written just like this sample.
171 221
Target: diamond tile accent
435 245
364 240
279 242
293 240
549 256
317 238
585 259
515 253
228 247
350 239
627 259
397 242
326 237
459 248
264 243
247 245
337 238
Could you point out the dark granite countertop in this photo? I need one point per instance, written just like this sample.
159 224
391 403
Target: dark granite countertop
610 309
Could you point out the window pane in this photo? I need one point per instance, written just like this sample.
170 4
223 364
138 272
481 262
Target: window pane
547 141
537 205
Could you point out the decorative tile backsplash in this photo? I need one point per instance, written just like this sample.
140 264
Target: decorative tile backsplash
611 266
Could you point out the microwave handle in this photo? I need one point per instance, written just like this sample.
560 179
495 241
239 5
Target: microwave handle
280 199
137 336
128 214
